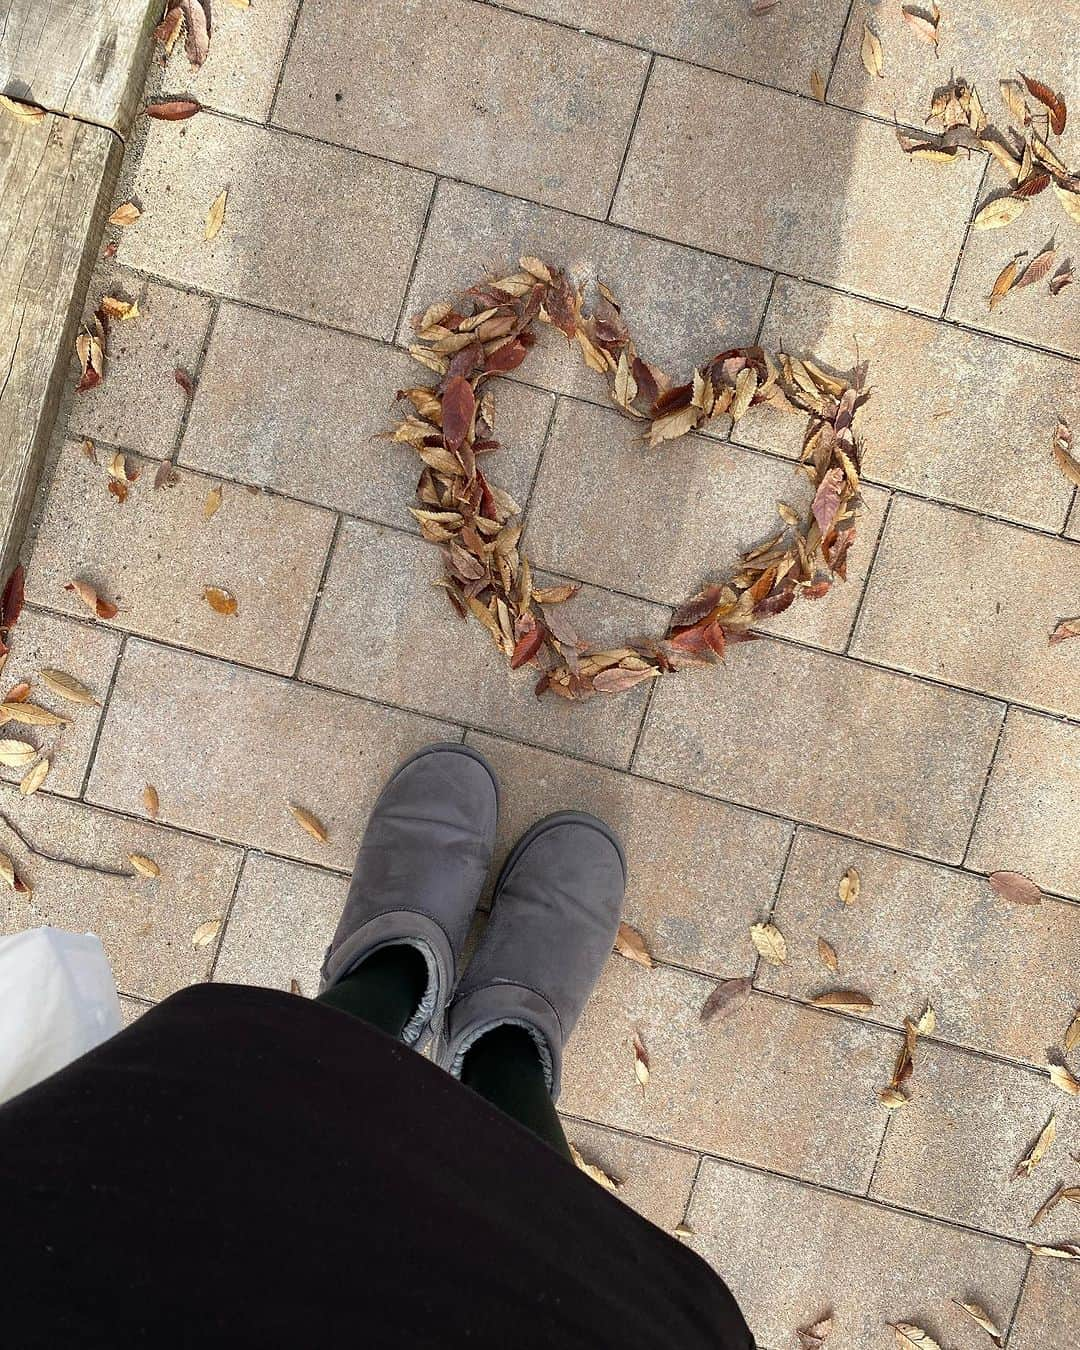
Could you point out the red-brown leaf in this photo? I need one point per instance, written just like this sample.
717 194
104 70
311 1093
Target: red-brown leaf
459 403
184 380
1053 103
12 602
507 357
172 109
726 999
617 679
1016 887
527 646
1032 185
826 505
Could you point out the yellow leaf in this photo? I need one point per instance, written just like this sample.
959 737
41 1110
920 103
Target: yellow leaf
927 1024
1064 1251
16 754
849 887
205 933
1026 1166
630 943
1061 445
31 715
34 779
827 952
1004 283
67 686
597 1173
22 112
999 211
982 1318
1063 1079
212 503
872 55
769 941
817 86
1069 197
126 214
150 801
846 1000
146 867
7 870
1072 1035
892 1098
216 215
115 308
309 822
221 602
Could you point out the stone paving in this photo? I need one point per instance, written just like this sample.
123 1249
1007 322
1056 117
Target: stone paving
914 725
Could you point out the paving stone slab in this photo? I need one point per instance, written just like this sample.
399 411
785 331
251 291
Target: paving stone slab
42 641
499 100
281 923
257 743
154 554
131 1009
1028 818
146 926
655 1180
384 630
827 741
239 75
313 425
700 872
1046 1318
139 405
1073 527
682 306
954 415
980 40
953 1150
302 221
832 199
1001 977
659 524
792 1253
778 1085
981 615
1030 314
779 47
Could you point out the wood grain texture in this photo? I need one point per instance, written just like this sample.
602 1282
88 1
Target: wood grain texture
84 58
56 177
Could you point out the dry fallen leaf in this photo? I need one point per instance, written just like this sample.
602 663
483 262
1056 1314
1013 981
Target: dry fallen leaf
630 943
1048 1205
7 870
216 215
982 1318
641 1062
34 778
817 86
126 214
1072 1034
205 933
907 1335
726 999
146 867
924 22
309 822
849 887
927 1023
1016 887
213 502
769 941
151 804
1027 1165
592 1170
1061 447
1038 269
172 109
1004 282
1069 197
892 1098
221 602
814 1336
1063 277
684 1229
1063 1079
873 57
846 1000
29 714
18 693
1064 1251
22 112
827 953
67 686
294 986
104 609
998 212
115 308
16 754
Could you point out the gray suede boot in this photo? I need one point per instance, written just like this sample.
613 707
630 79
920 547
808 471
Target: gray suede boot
420 872
554 918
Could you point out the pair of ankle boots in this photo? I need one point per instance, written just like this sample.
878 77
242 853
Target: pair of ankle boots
419 875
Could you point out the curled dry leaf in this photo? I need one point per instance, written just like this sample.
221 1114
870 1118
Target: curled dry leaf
172 109
34 778
908 1334
873 58
849 887
641 1061
770 943
215 217
1063 277
1005 281
1063 629
206 933
220 601
923 22
67 686
726 999
29 714
1039 1149
598 1174
151 804
827 954
18 693
892 1098
146 867
16 754
844 1000
114 308
1038 269
630 943
104 609
1063 1251
1052 102
309 822
127 213
813 1337
21 112
213 503
1061 448
1063 1079
982 1318
1072 1033
1016 887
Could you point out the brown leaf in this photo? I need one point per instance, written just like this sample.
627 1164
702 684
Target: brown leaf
196 31
527 646
846 1000
215 217
1016 887
213 503
166 475
172 109
1027 1165
1053 103
115 308
617 679
1065 628
1068 194
11 602
104 609
459 404
1064 1251
1004 283
827 953
1061 447
817 85
982 1318
151 804
1072 1034
923 22
826 506
556 595
630 943
34 778
1038 269
18 693
168 30
814 1336
641 1061
849 887
726 999
592 1170
908 1334
31 715
310 823
1062 277
892 1098
221 602
1012 95
146 867
184 380
769 941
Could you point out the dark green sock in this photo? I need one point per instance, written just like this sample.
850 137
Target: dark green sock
385 989
504 1066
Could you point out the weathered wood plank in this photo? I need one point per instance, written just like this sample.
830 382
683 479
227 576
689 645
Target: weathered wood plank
85 58
56 179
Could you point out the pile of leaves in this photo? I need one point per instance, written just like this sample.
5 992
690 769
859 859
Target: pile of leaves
477 526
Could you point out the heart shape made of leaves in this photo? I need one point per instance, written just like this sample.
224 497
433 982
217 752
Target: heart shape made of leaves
477 527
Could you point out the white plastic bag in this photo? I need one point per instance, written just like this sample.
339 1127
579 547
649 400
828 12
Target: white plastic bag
57 1000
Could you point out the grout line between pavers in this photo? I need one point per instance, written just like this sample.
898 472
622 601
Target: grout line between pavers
420 238
196 376
1074 500
836 54
985 785
1009 1326
865 591
284 62
878 1156
630 135
964 241
775 898
535 478
759 333
114 675
241 865
316 599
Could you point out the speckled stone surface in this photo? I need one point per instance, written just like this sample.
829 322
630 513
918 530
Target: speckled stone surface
653 1179
1046 1318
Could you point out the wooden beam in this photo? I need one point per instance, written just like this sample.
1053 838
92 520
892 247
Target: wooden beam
56 181
82 58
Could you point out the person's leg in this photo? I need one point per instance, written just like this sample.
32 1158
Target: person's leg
385 989
504 1066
